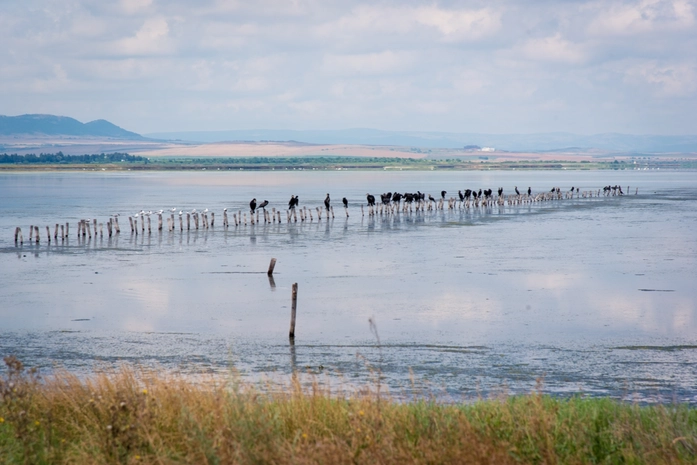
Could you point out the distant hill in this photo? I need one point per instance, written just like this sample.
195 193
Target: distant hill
51 125
508 142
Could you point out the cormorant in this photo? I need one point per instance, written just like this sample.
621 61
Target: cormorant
442 194
326 202
263 204
253 205
529 191
517 192
345 202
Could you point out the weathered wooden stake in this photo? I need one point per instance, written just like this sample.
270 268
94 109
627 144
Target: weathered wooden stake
95 226
130 220
159 221
272 265
36 233
149 229
212 219
31 232
293 308
67 229
116 225
55 234
48 234
17 231
62 233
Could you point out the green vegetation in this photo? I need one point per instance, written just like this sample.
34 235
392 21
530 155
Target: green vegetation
140 417
61 159
124 161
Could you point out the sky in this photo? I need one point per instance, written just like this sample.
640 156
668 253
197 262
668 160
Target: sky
527 66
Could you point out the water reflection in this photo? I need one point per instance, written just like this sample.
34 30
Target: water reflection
495 296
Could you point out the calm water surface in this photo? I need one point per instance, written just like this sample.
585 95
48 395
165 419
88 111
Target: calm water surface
592 295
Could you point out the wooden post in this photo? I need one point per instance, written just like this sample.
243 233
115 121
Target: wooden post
172 224
149 228
135 222
272 265
279 216
36 233
95 226
116 225
55 234
31 233
48 234
63 235
293 308
181 222
67 229
212 219
159 221
188 221
17 231
130 220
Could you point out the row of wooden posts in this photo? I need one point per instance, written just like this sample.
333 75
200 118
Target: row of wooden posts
294 302
201 219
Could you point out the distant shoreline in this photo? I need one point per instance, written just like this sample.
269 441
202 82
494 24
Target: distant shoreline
333 164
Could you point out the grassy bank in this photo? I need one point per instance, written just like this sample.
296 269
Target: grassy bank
135 417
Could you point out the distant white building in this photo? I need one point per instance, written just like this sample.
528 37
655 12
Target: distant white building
488 149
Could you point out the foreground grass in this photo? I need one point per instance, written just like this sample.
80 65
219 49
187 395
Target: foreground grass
133 417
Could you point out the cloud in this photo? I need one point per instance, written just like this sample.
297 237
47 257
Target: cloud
631 18
671 80
421 65
150 39
554 49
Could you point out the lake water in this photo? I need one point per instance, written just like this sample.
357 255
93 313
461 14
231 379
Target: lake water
592 295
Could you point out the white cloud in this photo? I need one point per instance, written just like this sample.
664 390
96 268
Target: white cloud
629 18
151 38
554 49
670 80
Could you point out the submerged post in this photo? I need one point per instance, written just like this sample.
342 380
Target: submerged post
294 305
272 265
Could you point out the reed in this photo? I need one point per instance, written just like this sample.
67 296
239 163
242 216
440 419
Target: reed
136 416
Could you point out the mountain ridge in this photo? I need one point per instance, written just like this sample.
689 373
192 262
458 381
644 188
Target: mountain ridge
52 125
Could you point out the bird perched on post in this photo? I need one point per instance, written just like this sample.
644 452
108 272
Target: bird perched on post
442 194
293 202
263 205
253 205
345 201
529 191
517 192
371 200
326 202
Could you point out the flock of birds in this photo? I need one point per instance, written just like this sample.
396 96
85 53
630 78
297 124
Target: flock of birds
390 203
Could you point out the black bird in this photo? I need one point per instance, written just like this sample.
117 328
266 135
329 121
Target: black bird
479 194
529 191
326 202
430 197
517 192
500 191
345 202
462 197
292 202
370 199
263 205
253 205
442 194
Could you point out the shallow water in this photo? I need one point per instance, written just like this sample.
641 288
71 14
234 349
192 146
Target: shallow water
591 295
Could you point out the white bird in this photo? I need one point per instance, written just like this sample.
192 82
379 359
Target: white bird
193 210
224 209
180 212
205 211
173 210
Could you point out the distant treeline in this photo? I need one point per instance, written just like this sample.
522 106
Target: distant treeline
61 158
